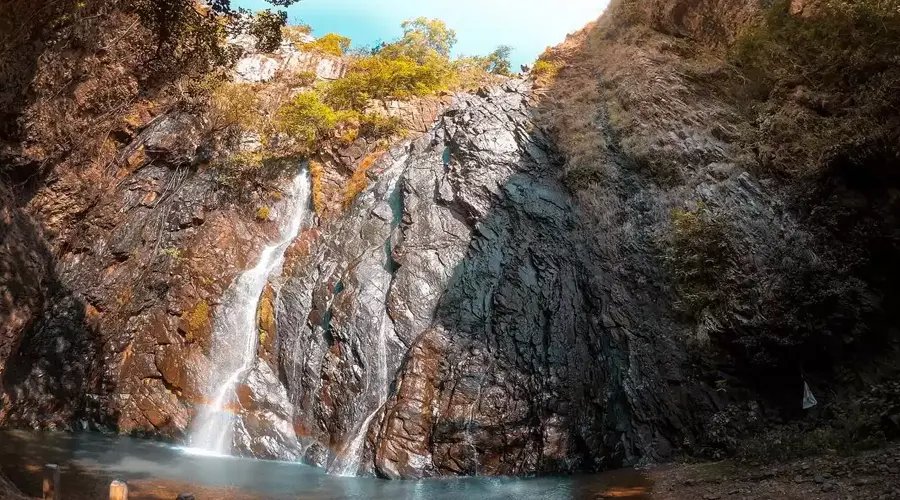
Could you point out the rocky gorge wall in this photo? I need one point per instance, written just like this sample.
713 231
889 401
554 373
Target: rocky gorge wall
504 297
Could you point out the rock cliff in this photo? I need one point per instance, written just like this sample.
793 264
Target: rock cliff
586 273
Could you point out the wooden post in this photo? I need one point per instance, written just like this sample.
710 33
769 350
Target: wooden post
51 482
118 490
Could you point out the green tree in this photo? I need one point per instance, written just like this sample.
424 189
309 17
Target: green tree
433 33
423 39
266 26
497 62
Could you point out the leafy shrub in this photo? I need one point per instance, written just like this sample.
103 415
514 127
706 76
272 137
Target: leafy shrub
379 77
842 42
845 431
376 126
187 41
296 33
332 44
545 69
470 73
306 118
197 318
846 52
302 79
497 62
698 258
423 39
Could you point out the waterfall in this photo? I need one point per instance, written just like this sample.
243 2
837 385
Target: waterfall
235 328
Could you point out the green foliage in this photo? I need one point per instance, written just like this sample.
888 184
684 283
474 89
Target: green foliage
192 39
381 77
470 73
266 26
332 44
187 41
545 68
263 213
422 37
175 253
497 62
306 118
377 126
197 318
698 258
846 431
842 42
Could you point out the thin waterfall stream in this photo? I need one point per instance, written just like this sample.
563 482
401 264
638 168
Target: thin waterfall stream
235 331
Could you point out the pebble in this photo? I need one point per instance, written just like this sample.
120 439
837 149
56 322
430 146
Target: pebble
828 487
819 479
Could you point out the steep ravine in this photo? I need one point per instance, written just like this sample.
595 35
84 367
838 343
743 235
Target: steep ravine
502 299
507 353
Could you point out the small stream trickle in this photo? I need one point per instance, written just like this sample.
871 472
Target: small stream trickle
235 331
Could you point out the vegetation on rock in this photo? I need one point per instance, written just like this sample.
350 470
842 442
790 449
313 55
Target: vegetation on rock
331 44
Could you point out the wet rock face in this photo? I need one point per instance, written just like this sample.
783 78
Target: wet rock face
113 287
455 317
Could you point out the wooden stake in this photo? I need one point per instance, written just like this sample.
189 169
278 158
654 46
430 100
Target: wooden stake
51 482
118 490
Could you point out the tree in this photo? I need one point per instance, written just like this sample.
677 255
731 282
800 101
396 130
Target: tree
433 33
266 27
497 62
423 39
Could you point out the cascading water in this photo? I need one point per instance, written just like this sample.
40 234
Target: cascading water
235 331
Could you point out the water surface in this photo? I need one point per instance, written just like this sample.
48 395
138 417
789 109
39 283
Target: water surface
89 461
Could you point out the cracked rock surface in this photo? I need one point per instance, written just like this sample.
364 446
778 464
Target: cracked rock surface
456 316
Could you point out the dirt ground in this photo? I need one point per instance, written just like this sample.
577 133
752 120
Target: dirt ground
869 476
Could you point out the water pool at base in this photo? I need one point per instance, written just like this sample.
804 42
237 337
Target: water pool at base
154 470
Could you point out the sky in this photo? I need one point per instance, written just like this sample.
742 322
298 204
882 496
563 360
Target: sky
529 26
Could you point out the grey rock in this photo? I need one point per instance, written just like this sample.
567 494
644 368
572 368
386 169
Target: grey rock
462 326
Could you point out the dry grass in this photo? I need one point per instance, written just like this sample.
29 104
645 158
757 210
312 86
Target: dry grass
646 85
359 180
319 197
235 104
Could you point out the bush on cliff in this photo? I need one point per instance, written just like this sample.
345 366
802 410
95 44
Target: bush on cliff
698 258
306 118
331 44
380 77
234 104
